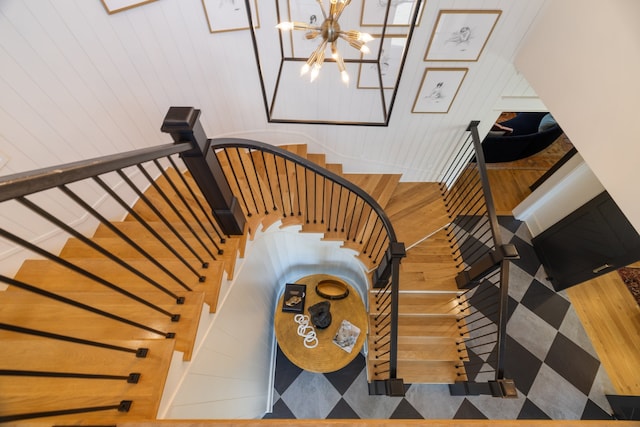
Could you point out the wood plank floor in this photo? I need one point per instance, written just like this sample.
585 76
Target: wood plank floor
606 308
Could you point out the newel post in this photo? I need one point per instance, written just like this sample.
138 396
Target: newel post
183 124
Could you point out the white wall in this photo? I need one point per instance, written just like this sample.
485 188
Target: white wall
231 371
77 83
573 185
582 57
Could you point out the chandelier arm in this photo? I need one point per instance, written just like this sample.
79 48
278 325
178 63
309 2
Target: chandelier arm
342 8
324 12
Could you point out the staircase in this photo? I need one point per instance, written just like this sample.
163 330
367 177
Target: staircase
109 318
428 336
427 342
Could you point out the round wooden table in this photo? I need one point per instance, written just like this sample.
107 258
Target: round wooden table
327 356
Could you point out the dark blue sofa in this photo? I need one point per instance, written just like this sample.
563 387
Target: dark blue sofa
526 139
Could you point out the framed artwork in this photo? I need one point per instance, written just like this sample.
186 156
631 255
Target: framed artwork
461 35
389 64
114 6
438 89
400 13
229 15
307 11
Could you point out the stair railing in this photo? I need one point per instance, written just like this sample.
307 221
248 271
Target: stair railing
58 195
272 182
269 184
483 260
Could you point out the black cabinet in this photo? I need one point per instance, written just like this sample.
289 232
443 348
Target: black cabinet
593 240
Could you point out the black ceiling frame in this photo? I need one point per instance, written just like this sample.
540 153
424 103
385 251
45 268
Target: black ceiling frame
269 106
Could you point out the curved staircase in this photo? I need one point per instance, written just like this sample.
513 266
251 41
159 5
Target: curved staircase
427 343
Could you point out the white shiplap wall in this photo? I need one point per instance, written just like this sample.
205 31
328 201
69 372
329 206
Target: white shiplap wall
77 83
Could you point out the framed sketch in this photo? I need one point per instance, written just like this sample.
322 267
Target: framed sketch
400 13
389 64
114 6
438 89
229 15
307 11
461 35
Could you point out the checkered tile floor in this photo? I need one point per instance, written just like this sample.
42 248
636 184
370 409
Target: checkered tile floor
550 357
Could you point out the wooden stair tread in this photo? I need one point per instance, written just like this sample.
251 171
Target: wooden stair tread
75 321
428 326
55 277
416 210
298 149
436 372
379 186
419 281
428 303
35 354
424 303
317 158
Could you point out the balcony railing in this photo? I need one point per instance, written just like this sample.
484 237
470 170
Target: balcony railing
477 247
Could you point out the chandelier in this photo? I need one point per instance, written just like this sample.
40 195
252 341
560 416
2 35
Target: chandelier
330 32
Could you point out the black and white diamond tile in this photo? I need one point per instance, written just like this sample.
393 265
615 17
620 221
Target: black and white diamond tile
550 357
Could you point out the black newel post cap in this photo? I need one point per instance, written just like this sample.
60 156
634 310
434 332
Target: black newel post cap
180 119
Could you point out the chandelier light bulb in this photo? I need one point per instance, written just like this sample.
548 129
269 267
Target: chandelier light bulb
315 71
345 77
330 32
365 37
285 26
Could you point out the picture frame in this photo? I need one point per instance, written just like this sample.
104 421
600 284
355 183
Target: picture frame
229 15
438 89
390 60
461 35
400 13
115 6
303 11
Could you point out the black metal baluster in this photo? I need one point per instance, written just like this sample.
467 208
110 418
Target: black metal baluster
150 229
133 244
338 210
380 248
284 209
330 206
460 189
186 205
461 156
86 273
132 378
306 194
375 224
235 176
286 172
197 200
255 170
315 196
297 188
366 226
346 210
161 217
355 232
246 176
324 186
123 406
69 301
266 172
139 352
175 210
353 216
